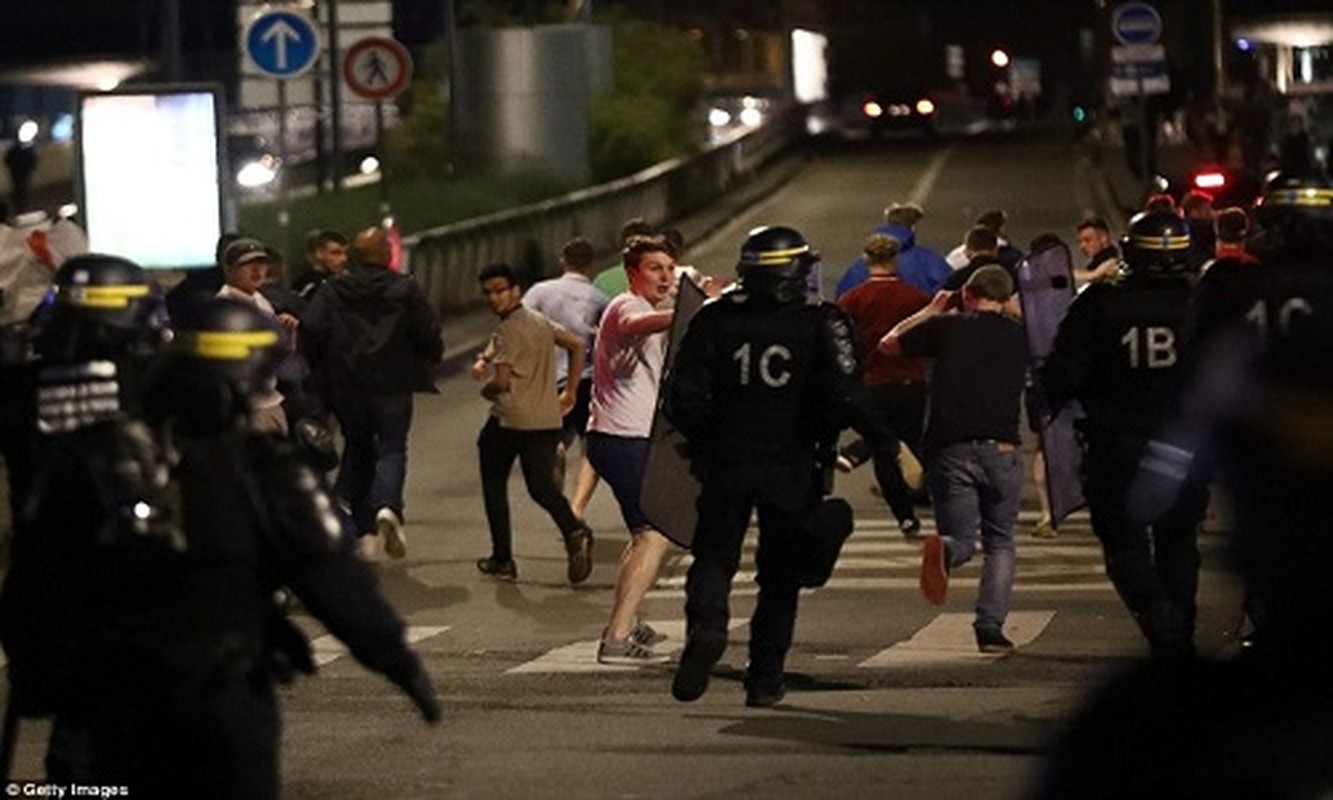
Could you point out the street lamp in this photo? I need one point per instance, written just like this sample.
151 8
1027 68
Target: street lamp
999 58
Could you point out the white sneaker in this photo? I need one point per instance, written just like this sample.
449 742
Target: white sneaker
390 527
628 653
646 635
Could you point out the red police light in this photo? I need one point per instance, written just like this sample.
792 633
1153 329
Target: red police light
1211 179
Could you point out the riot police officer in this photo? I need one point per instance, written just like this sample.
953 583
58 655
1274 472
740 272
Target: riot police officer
1280 311
79 359
762 384
1279 450
1118 353
72 389
1256 415
162 592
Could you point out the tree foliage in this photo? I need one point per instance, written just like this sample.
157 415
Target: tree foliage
649 115
419 143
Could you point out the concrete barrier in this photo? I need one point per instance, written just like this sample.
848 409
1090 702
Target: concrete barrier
445 260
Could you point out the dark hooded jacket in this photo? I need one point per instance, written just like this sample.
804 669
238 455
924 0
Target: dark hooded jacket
371 332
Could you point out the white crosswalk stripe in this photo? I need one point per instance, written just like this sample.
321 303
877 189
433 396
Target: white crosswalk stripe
327 649
582 656
949 639
877 557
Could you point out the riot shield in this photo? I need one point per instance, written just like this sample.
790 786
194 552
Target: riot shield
1045 289
670 490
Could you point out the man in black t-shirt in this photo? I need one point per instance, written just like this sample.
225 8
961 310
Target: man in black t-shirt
974 462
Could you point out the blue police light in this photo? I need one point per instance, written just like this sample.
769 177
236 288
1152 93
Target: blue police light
62 130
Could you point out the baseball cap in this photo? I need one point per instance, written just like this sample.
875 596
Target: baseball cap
243 251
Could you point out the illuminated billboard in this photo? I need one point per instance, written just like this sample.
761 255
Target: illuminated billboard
150 176
809 64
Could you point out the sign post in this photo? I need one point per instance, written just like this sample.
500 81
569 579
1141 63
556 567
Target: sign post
378 68
282 43
1138 68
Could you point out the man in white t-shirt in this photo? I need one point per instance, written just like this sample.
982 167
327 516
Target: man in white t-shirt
245 267
574 303
627 368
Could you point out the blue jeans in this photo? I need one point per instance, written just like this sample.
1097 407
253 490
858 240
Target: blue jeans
374 461
976 487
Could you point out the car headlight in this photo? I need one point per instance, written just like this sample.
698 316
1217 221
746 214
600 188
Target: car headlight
719 118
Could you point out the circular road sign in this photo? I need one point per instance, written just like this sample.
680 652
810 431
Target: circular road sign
1136 23
377 67
282 42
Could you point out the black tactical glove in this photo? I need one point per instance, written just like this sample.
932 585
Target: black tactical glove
315 444
422 691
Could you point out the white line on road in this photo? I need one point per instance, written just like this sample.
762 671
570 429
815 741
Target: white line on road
327 649
582 656
745 586
924 184
949 639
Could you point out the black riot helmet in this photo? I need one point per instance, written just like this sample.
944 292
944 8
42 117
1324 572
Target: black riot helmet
221 353
232 338
103 307
1285 194
1295 216
776 261
108 289
1157 242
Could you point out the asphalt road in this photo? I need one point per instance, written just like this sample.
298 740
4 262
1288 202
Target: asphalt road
889 697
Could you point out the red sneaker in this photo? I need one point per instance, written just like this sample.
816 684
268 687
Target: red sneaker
934 570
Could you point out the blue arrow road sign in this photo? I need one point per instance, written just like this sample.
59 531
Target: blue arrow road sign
282 42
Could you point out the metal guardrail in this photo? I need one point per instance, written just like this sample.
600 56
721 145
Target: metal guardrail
445 260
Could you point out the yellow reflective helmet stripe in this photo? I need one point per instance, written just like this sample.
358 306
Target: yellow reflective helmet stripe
224 345
1310 196
112 296
782 256
1161 242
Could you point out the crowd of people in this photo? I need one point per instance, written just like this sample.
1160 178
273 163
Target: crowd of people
925 357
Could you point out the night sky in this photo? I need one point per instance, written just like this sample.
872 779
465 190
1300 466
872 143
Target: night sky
43 30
